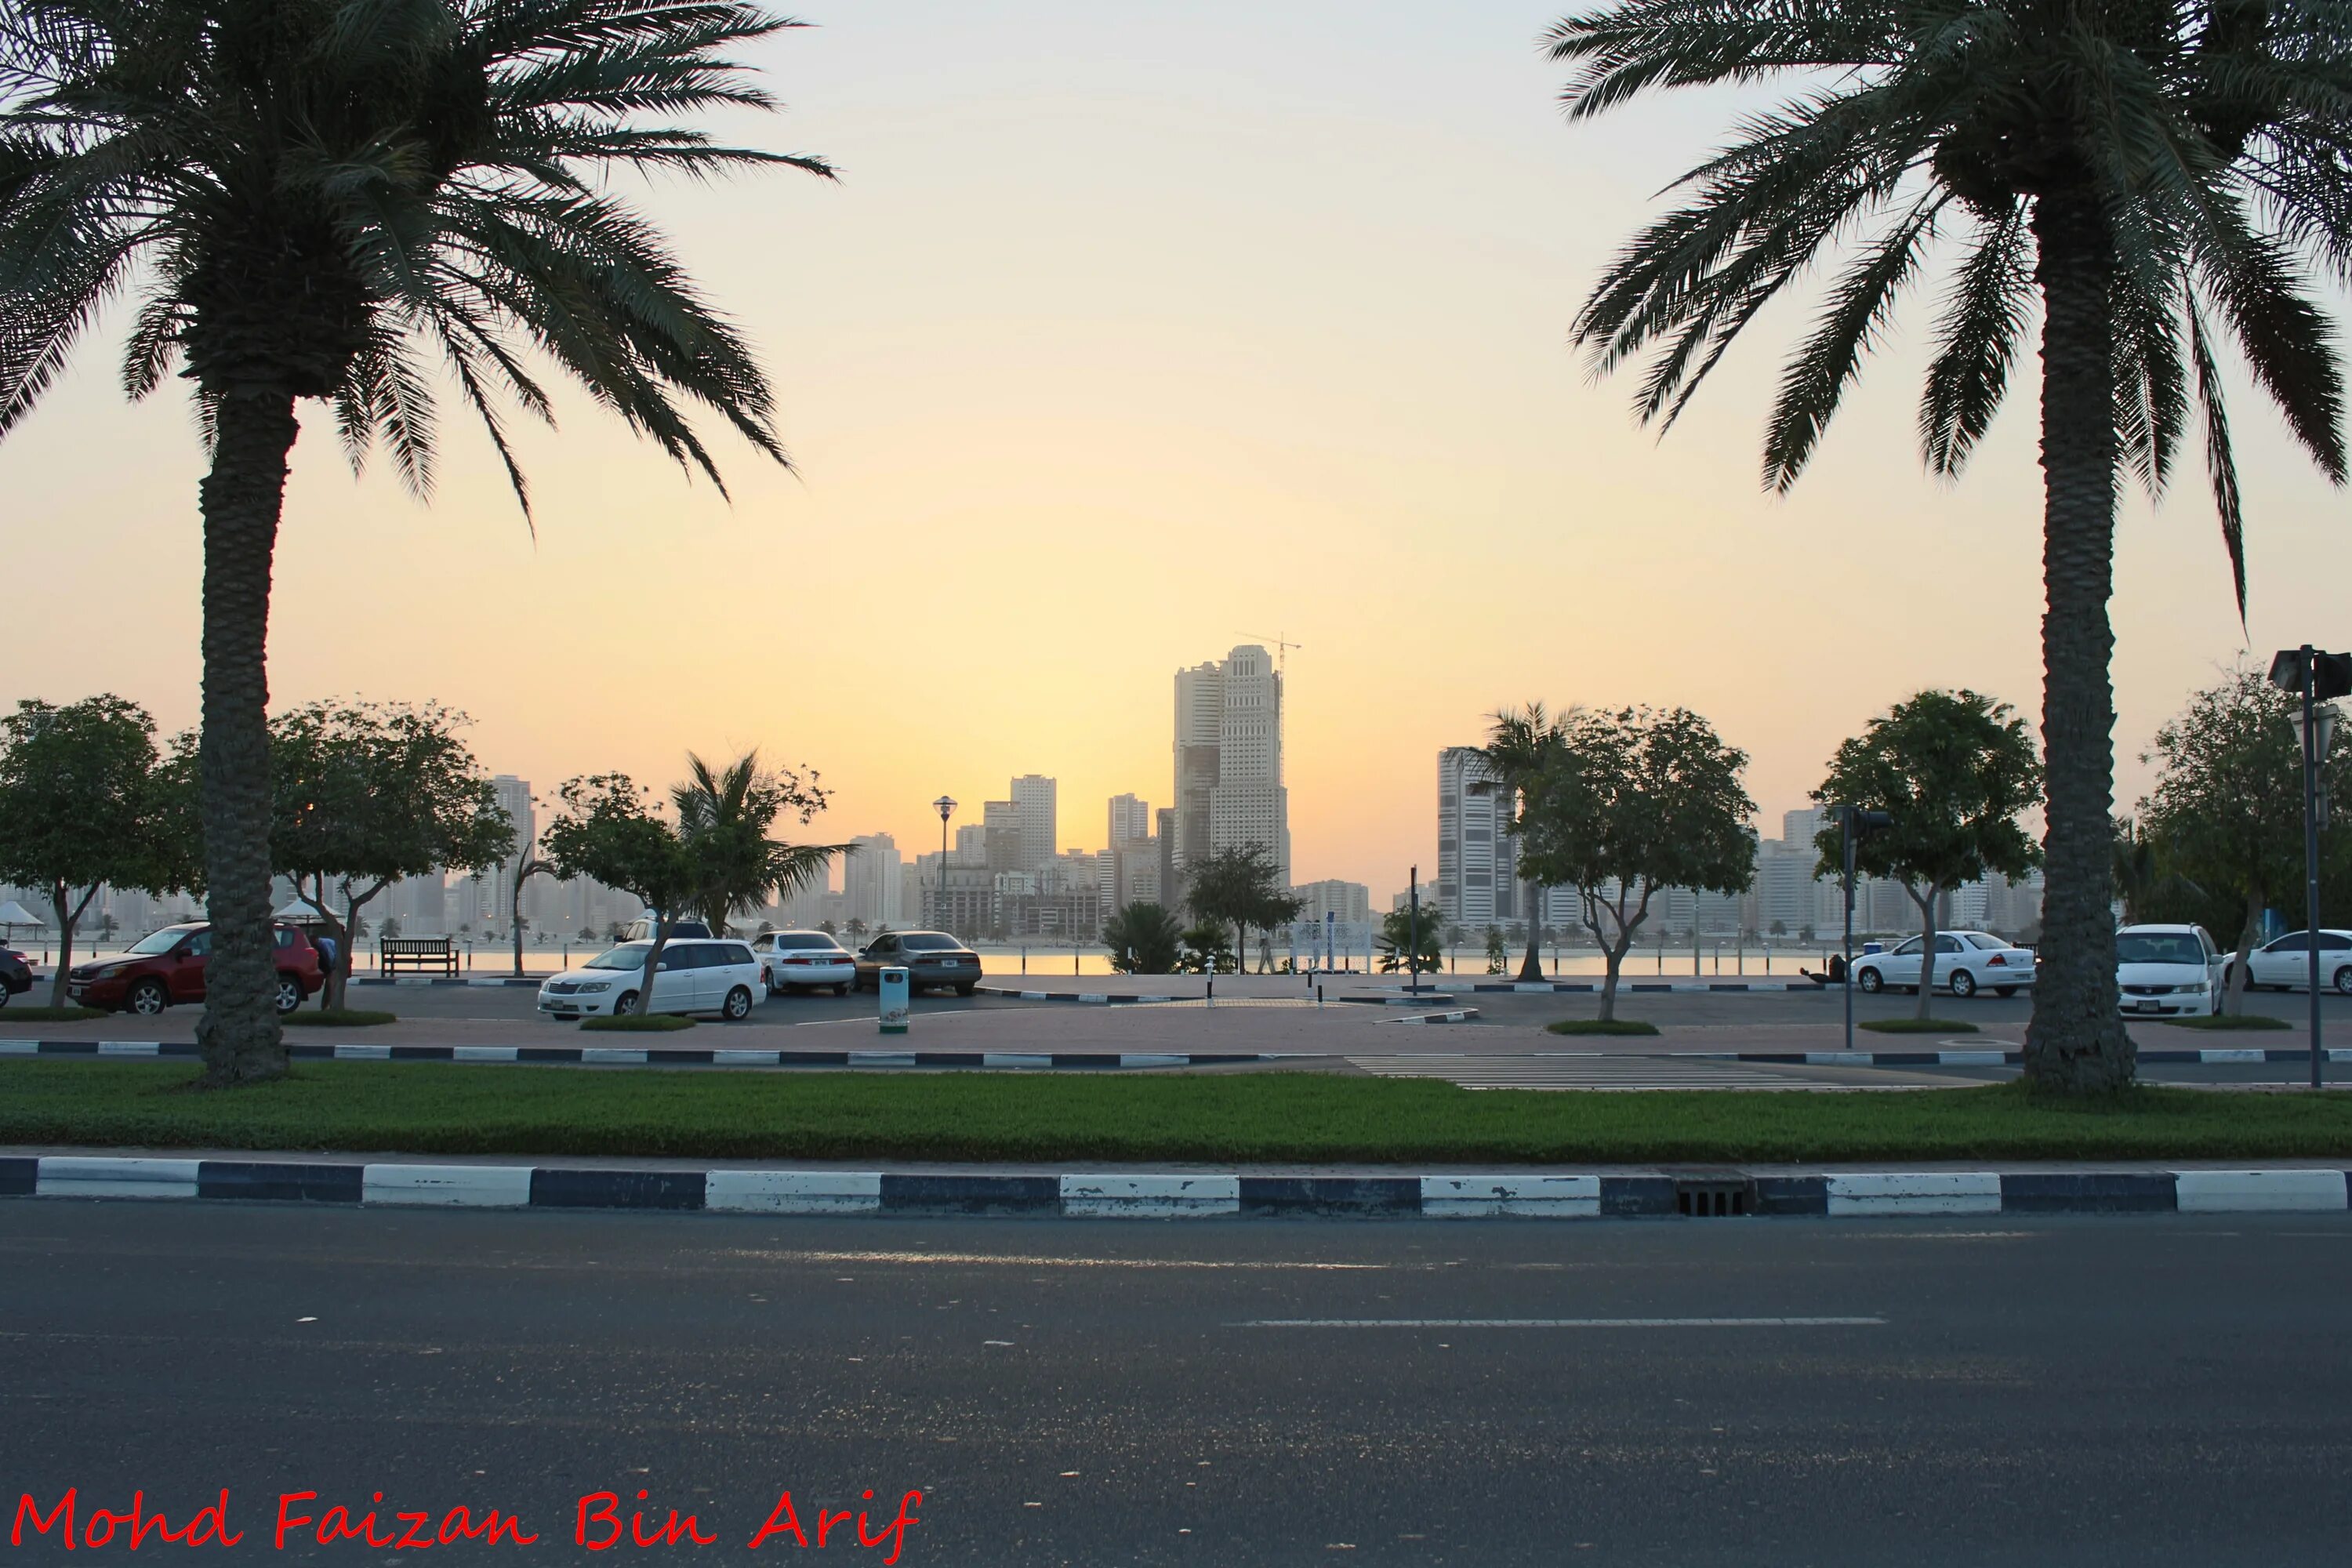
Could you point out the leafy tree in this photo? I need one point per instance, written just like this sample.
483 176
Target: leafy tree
587 933
2226 814
1517 749
368 793
1779 928
1143 939
826 926
1632 801
1241 887
76 784
856 929
317 197
728 816
391 927
605 829
1498 957
1397 944
1207 943
2157 177
1953 770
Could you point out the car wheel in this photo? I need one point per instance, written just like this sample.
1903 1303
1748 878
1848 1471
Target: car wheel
290 993
148 998
2004 990
739 1005
1963 982
965 990
626 1005
1869 980
2343 980
840 989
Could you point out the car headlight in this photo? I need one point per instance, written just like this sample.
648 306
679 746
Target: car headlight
2196 989
594 986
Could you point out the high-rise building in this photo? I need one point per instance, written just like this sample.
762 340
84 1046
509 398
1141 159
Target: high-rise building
1130 817
1034 804
1347 902
1477 856
1199 701
496 894
1001 836
1229 789
1171 886
971 845
870 879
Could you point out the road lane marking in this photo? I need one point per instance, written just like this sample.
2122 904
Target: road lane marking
1561 1323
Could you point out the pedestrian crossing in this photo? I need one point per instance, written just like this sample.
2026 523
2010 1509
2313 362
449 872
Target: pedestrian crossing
1579 1070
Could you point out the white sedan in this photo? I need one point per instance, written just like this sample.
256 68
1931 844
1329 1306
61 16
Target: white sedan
794 960
2285 964
1966 962
696 977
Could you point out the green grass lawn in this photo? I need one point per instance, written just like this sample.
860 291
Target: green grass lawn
437 1108
2225 1022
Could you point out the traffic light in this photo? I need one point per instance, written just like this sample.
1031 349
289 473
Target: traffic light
2329 673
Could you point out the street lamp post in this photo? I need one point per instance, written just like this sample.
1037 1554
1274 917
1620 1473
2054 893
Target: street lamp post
945 806
2315 677
1854 824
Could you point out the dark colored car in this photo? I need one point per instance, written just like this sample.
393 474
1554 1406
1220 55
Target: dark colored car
928 957
16 975
167 966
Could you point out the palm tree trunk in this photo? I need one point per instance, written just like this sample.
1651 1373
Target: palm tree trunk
242 496
2076 1041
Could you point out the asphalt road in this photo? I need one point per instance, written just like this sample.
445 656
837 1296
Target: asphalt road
2143 1392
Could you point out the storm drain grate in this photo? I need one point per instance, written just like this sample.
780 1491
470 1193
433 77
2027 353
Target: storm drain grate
1713 1197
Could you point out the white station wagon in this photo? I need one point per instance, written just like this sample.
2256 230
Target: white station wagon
697 975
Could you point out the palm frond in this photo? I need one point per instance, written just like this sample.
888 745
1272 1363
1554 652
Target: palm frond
1983 322
2220 462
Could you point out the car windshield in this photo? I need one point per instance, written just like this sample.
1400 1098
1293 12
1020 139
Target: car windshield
632 956
162 940
797 944
924 941
2158 947
1980 940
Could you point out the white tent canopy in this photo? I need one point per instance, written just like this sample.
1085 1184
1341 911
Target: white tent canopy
296 910
12 913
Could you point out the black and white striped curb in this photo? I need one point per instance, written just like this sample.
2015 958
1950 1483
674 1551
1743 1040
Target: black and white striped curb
657 1055
1114 999
1177 1195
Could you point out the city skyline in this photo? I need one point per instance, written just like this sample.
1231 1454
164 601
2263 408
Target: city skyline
1155 367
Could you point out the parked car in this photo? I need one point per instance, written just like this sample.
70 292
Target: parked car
1966 962
16 975
2285 964
803 959
928 957
166 967
642 929
696 975
2168 970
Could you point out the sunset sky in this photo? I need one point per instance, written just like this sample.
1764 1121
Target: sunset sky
1131 328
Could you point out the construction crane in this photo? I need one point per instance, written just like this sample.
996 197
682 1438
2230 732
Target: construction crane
1282 651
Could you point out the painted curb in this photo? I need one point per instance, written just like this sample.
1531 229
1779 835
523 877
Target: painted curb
660 1056
1174 1195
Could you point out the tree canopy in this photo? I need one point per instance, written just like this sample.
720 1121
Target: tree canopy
1143 939
1631 801
1240 886
1953 770
78 797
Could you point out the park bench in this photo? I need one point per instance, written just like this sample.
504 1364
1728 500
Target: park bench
422 953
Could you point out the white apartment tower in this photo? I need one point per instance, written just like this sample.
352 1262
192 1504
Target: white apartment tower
1477 858
1247 805
871 881
1129 818
1034 806
1199 708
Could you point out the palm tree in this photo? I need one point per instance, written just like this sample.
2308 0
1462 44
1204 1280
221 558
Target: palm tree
2157 174
1518 750
1143 939
724 818
316 198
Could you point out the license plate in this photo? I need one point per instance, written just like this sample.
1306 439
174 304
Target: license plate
2148 1006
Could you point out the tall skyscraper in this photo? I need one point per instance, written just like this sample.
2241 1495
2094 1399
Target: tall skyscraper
498 896
1200 694
1034 802
1229 789
871 879
1001 835
1477 858
1129 818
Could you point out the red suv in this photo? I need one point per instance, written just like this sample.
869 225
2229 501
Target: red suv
168 966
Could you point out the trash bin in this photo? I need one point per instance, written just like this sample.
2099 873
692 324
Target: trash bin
891 984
